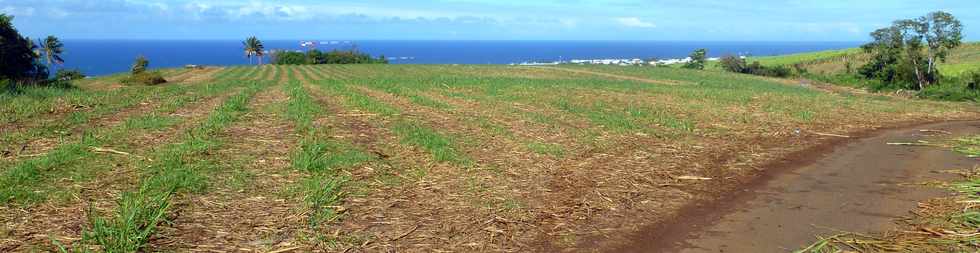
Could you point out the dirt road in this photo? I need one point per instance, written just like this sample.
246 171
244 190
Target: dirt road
859 186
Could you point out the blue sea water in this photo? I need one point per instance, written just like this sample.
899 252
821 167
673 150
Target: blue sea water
101 57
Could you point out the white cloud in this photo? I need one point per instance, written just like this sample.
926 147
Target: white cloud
635 22
18 11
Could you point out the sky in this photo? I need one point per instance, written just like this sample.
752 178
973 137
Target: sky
666 20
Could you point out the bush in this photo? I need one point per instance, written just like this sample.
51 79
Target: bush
698 57
972 80
950 92
289 58
733 63
332 57
140 65
145 78
738 65
68 75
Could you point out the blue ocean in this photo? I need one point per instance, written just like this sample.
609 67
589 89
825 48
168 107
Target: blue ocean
101 57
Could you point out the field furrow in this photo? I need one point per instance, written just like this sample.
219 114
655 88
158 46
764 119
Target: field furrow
313 74
403 176
176 170
245 204
384 158
93 176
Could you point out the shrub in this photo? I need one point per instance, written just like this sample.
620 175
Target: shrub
68 75
288 58
738 65
698 57
140 65
972 80
332 57
733 63
950 92
145 78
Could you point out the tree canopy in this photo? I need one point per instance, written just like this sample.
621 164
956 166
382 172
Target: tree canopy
17 55
698 58
907 52
253 47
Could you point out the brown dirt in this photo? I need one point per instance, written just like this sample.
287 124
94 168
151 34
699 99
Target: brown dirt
847 184
258 217
197 75
332 72
393 207
36 226
283 73
299 74
615 76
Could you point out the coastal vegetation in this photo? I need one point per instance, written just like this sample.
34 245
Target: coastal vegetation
922 57
697 59
313 57
736 64
139 73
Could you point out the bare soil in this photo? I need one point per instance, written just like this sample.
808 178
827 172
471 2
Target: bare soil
860 184
256 217
36 227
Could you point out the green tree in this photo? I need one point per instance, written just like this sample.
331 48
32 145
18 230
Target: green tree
733 64
17 58
250 47
698 57
907 52
36 51
253 46
942 33
51 49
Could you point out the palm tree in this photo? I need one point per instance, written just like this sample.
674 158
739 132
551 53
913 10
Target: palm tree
249 48
253 46
259 50
52 49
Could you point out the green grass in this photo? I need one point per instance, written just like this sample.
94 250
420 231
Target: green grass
151 122
300 108
316 155
21 183
959 69
320 156
809 57
969 145
27 182
175 169
546 149
322 193
440 146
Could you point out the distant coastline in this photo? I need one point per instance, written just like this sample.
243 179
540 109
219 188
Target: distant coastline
101 57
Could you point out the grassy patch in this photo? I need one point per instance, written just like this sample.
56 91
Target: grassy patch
322 193
151 122
324 156
555 150
969 146
440 146
177 168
